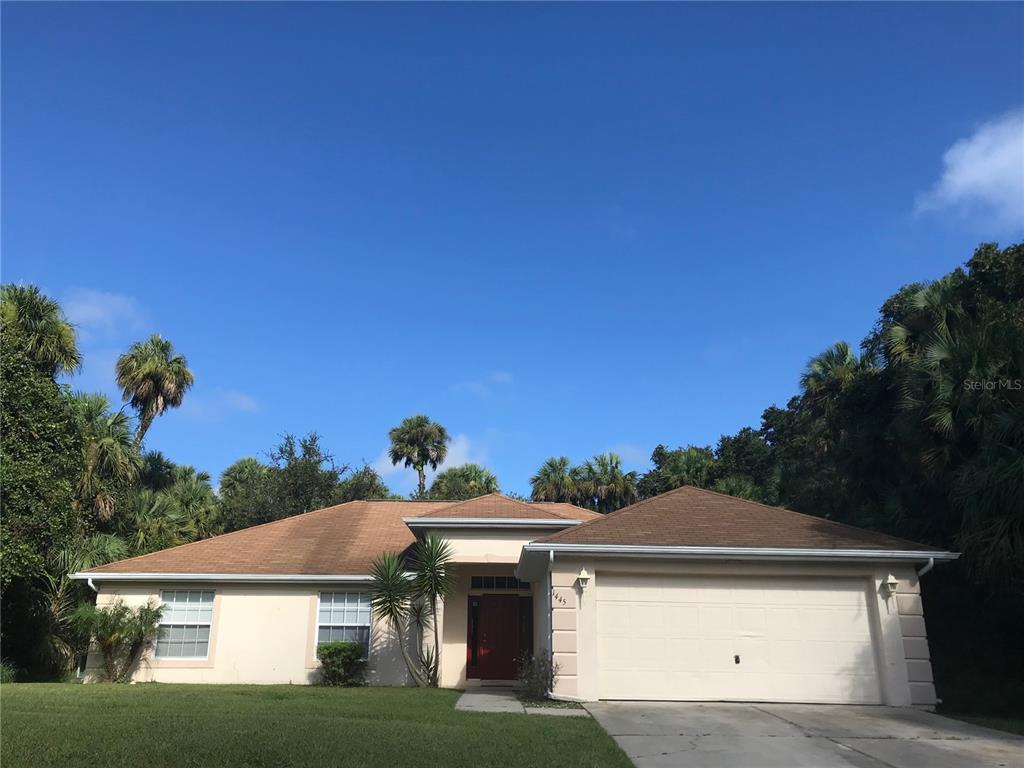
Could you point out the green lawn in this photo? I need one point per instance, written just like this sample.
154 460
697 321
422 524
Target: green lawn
155 725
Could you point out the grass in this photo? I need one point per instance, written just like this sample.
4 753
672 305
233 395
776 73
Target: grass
157 725
1008 724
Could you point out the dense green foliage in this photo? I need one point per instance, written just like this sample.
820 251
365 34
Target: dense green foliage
44 334
599 483
463 482
341 663
120 632
38 463
299 477
216 726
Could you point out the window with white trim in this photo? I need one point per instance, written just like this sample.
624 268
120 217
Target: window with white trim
184 631
344 616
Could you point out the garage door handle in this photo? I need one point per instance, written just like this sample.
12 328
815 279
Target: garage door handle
736 658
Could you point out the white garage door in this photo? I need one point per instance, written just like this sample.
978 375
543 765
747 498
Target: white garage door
739 639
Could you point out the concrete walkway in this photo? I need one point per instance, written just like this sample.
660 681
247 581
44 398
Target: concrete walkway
667 735
505 700
490 700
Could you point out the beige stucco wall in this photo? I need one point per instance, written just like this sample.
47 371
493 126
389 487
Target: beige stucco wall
915 639
261 633
495 546
897 623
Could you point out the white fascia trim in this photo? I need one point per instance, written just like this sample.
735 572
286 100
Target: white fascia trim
741 553
257 577
487 522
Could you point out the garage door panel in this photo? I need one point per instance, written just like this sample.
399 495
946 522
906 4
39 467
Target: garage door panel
755 654
679 638
714 654
751 621
681 620
715 620
784 623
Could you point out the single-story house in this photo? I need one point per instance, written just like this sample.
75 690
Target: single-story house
690 595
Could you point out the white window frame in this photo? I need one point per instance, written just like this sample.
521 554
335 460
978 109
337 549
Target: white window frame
163 623
368 625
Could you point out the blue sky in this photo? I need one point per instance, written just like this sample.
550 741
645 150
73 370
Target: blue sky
557 229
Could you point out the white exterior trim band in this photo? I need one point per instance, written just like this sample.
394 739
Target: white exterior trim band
269 577
741 553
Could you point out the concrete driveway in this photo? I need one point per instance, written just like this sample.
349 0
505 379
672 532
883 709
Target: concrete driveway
661 734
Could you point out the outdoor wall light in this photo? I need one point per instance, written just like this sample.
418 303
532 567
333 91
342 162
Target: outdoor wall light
583 577
889 586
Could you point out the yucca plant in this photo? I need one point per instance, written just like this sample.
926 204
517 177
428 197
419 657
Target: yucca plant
390 602
433 581
408 600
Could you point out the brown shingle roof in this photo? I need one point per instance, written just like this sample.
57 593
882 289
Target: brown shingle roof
494 505
341 540
693 517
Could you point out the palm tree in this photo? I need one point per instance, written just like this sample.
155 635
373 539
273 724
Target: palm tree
110 460
739 486
972 447
419 443
689 466
61 595
603 485
155 521
464 482
554 481
390 602
193 495
433 580
157 472
152 379
828 373
40 324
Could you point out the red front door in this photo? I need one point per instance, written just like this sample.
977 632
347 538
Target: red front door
493 637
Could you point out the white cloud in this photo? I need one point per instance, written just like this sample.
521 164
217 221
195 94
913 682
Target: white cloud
215 405
461 450
983 173
485 386
239 401
102 313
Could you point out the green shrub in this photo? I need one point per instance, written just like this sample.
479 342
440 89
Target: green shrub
8 672
536 676
341 663
120 633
